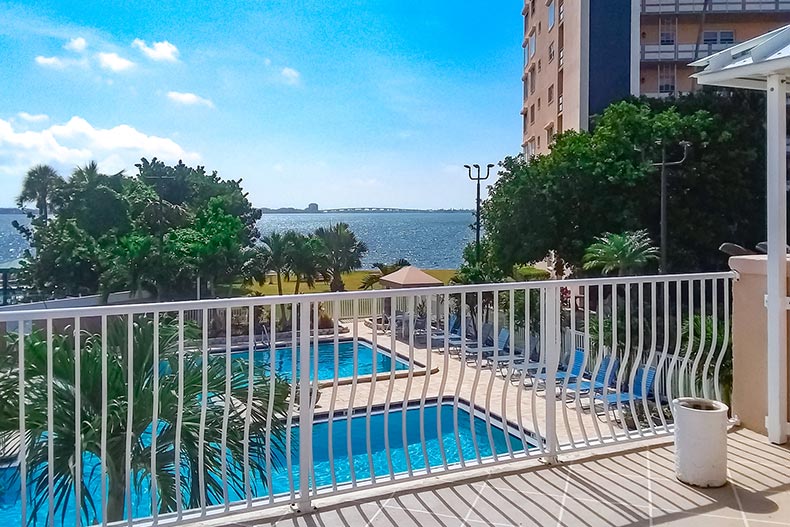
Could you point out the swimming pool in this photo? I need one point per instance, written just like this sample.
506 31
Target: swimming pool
284 360
471 441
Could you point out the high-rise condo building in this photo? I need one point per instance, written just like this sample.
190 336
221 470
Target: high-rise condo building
581 55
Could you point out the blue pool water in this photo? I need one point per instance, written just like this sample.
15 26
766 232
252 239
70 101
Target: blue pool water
467 445
284 360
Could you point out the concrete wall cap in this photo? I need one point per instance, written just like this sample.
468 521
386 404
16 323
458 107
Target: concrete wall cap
752 264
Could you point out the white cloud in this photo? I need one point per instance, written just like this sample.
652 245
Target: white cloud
189 99
290 75
114 62
51 62
76 44
267 61
164 51
76 142
33 118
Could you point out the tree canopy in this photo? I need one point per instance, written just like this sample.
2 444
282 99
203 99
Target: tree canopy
157 230
605 181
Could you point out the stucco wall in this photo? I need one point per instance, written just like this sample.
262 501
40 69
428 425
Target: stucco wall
749 319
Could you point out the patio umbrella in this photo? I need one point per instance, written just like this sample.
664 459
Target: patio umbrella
408 276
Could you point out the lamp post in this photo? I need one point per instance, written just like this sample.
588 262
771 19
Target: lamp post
159 179
478 178
664 164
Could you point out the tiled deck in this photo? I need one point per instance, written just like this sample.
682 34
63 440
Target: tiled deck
625 488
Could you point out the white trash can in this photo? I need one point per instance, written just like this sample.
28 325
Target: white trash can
700 441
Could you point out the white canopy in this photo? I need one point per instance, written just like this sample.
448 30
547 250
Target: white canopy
763 63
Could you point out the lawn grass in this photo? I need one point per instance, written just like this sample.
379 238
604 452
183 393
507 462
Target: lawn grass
353 280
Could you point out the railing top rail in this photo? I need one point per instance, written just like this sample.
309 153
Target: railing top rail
273 300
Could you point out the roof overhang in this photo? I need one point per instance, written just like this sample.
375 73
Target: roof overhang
747 65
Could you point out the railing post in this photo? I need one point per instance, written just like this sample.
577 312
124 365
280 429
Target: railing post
553 350
305 408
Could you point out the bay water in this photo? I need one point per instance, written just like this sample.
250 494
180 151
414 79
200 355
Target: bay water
431 240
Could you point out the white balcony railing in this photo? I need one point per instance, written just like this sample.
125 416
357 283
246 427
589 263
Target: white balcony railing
716 6
246 403
680 52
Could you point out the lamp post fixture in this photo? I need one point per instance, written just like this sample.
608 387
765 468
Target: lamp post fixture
478 178
662 268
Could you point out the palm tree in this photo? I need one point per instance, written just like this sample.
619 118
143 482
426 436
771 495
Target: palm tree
624 253
384 269
39 184
275 250
343 252
303 258
188 395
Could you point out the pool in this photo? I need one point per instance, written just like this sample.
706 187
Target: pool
283 360
472 441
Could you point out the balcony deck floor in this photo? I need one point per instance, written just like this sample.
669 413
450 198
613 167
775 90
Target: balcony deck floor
620 487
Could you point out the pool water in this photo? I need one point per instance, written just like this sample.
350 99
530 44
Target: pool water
284 360
472 441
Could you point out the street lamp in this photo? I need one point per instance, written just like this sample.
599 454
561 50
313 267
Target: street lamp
478 178
662 268
159 178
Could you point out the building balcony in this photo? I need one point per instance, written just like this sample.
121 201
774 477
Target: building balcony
244 407
679 52
716 6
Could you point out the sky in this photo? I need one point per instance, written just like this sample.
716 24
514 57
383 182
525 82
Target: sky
339 102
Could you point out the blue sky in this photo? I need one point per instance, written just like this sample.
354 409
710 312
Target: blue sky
344 103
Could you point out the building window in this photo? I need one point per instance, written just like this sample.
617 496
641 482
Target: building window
551 52
532 6
667 38
552 14
540 65
525 124
551 94
538 103
532 78
550 133
666 79
667 33
726 37
532 114
718 37
531 44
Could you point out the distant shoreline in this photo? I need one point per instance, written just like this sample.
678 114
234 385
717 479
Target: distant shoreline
359 210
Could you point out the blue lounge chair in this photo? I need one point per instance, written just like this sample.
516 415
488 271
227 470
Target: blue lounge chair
575 372
611 400
473 353
457 342
600 383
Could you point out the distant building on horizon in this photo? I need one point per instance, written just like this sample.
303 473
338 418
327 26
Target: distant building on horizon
581 55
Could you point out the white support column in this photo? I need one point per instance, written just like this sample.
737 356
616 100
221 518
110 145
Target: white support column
636 47
777 259
553 341
305 409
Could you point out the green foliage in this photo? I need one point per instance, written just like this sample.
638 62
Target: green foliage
171 394
528 273
156 232
604 181
304 256
383 270
343 252
699 337
40 183
624 253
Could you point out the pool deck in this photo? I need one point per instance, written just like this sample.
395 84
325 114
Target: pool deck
614 487
445 375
